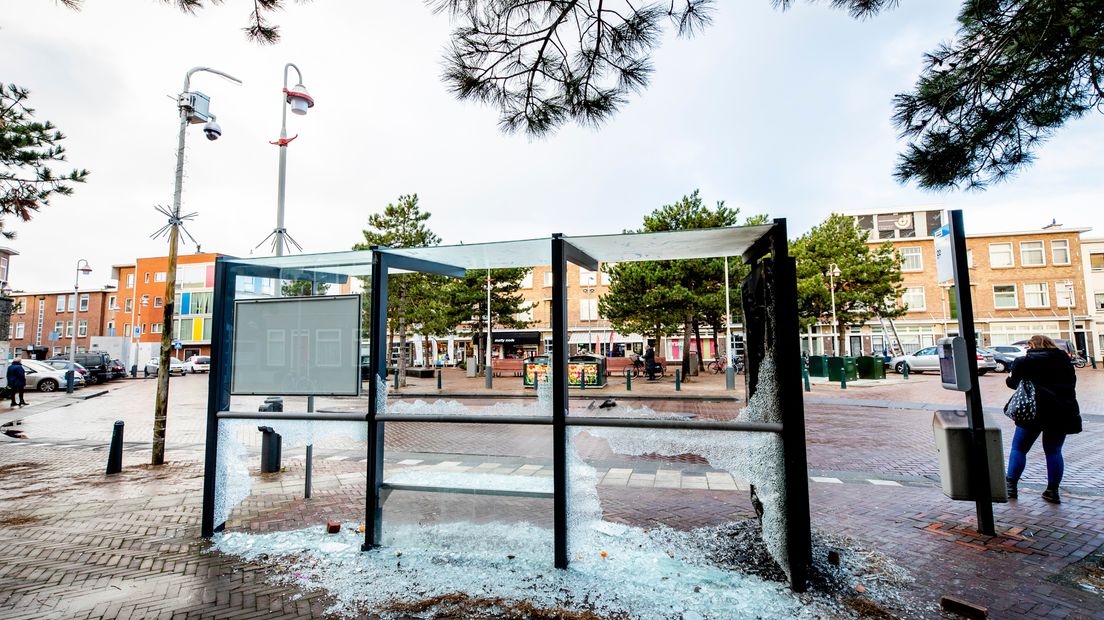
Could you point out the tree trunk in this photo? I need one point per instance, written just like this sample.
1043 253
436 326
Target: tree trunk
687 329
697 336
401 367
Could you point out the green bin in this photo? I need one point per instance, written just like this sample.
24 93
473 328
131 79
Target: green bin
818 366
536 370
844 365
870 367
585 371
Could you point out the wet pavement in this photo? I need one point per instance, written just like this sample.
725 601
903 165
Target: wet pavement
84 545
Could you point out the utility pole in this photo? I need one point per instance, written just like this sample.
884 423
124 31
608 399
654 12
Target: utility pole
487 372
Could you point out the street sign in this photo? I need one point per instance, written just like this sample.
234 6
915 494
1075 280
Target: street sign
944 264
137 331
177 345
53 336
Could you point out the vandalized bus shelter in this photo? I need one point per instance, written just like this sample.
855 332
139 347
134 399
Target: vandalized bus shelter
769 301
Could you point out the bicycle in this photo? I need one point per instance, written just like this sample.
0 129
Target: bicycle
717 366
1079 360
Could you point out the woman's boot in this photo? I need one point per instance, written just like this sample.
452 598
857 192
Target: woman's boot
1010 484
1051 494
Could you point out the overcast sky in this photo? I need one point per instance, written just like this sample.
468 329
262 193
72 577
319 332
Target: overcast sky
780 113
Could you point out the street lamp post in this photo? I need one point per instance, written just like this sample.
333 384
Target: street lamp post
193 107
488 373
299 101
70 377
143 302
589 290
1070 304
833 273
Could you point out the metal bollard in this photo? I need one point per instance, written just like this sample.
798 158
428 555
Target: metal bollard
1092 360
678 380
730 376
628 379
396 378
115 452
438 378
843 378
805 376
905 373
270 449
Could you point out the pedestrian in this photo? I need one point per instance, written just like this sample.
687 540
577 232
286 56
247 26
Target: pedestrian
1050 370
650 362
17 381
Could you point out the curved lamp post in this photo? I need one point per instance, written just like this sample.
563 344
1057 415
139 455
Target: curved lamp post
299 100
193 107
71 377
833 273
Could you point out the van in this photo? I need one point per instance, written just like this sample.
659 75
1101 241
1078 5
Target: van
98 364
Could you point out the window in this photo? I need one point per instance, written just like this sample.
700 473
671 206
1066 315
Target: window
527 280
525 315
58 326
84 302
157 302
605 273
159 276
144 328
68 329
111 328
587 277
3 268
1096 262
22 303
185 332
201 303
112 303
588 309
1059 252
969 259
20 329
130 280
60 303
1099 302
129 305
1062 294
1031 254
126 330
1004 296
82 329
72 302
548 278
913 298
1000 255
147 277
912 259
156 328
1036 295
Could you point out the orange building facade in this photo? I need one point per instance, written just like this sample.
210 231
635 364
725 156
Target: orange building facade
138 312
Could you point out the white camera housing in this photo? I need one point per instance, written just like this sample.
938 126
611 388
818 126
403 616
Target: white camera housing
212 130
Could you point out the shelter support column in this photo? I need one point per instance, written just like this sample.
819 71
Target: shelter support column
218 390
559 399
377 356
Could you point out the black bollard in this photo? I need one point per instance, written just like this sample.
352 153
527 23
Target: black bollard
628 379
678 380
438 378
115 453
270 449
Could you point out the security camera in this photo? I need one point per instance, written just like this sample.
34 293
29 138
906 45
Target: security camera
212 130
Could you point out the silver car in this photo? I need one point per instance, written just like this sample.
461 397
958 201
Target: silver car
928 359
44 378
1011 350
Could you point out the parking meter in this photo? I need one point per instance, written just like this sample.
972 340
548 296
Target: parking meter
954 362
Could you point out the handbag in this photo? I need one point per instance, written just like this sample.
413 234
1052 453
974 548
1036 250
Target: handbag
1021 407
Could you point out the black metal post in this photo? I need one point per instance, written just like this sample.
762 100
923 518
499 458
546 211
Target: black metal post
559 400
979 457
115 453
377 367
218 390
785 348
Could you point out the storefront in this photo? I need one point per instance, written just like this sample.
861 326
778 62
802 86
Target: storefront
604 342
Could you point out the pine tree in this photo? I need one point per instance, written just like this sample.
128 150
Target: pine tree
464 304
27 148
402 225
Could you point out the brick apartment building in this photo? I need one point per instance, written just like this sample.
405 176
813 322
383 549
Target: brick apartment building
40 315
1023 283
1092 260
137 312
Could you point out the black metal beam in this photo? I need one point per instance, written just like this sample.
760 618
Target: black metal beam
979 459
785 347
377 366
218 385
578 257
318 416
560 250
421 265
388 486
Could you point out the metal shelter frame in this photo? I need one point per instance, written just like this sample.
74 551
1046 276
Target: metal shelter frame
769 302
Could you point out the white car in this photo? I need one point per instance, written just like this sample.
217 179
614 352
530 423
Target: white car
198 363
176 367
928 359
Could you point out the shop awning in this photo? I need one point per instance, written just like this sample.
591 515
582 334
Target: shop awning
511 338
602 336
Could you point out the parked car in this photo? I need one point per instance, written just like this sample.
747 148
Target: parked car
176 367
928 359
1003 360
97 362
45 378
118 371
1062 343
198 363
1011 350
63 366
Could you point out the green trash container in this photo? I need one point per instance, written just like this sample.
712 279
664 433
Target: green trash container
844 365
818 366
870 367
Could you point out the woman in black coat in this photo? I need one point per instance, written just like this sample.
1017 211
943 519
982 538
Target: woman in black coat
1050 370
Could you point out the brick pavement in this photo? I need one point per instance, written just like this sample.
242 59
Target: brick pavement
82 546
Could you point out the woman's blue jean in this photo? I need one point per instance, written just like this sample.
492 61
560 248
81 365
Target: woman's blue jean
1052 446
